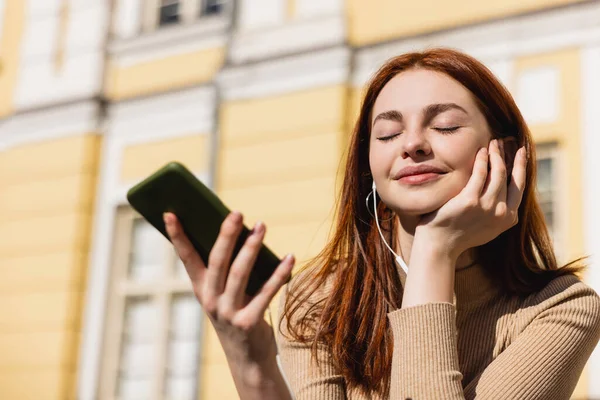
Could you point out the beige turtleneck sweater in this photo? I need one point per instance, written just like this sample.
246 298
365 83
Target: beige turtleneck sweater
487 345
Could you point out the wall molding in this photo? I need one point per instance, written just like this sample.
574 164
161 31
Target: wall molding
288 74
172 114
206 33
575 25
292 37
51 123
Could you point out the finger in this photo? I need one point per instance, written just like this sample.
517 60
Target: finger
516 188
240 270
503 153
257 306
478 176
496 190
219 258
185 250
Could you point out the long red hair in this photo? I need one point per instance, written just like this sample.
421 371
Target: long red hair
349 317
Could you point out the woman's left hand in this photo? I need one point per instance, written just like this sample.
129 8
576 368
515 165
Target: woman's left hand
485 208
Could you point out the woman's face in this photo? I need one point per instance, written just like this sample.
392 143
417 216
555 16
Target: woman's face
423 118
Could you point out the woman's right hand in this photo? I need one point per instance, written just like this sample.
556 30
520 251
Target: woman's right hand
238 319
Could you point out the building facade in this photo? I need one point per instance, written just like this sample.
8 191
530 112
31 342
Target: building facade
258 99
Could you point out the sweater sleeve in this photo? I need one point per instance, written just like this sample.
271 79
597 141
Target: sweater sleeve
543 362
425 357
307 380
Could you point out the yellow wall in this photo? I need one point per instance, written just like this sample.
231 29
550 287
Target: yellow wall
378 20
45 223
277 161
141 160
182 70
10 40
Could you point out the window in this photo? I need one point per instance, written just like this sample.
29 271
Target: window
153 329
211 7
545 189
547 183
168 12
163 13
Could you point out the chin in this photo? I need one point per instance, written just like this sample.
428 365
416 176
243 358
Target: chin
419 204
415 210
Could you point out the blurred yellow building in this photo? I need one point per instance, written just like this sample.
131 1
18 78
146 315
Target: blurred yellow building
256 97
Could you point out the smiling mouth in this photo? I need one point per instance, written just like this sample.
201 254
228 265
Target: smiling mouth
419 179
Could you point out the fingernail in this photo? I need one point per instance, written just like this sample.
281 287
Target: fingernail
236 215
289 258
259 228
166 217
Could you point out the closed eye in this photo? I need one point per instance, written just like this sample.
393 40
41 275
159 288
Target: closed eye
447 130
388 138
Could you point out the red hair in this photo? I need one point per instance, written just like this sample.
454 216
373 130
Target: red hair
350 317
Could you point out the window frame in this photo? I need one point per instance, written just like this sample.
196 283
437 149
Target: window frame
161 291
551 151
190 12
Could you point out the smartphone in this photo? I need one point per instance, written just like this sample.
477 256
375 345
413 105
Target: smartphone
173 188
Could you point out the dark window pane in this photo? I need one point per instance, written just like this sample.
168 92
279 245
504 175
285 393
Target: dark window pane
211 7
544 175
169 12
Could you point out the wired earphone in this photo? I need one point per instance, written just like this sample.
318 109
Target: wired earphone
399 259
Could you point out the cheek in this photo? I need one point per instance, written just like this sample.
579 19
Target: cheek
461 160
380 160
460 179
460 155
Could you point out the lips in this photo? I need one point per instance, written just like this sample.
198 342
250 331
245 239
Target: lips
417 170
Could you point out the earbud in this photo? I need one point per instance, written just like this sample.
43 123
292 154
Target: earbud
374 187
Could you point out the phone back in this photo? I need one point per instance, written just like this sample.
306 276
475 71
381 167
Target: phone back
175 189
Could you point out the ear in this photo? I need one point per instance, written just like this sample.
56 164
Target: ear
510 151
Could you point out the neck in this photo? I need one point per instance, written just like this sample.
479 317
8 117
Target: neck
472 285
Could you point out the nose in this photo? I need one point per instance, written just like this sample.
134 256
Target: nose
415 144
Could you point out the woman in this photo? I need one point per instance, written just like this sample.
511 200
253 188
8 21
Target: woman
483 311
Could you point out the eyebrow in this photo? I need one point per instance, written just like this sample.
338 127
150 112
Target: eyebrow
429 113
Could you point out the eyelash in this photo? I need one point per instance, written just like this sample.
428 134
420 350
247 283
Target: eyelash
444 131
388 138
447 130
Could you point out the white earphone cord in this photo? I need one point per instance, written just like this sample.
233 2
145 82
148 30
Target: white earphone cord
399 259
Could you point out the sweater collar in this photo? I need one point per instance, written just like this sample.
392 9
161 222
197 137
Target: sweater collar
473 285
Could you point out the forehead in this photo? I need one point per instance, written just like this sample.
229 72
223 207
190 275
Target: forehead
412 90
